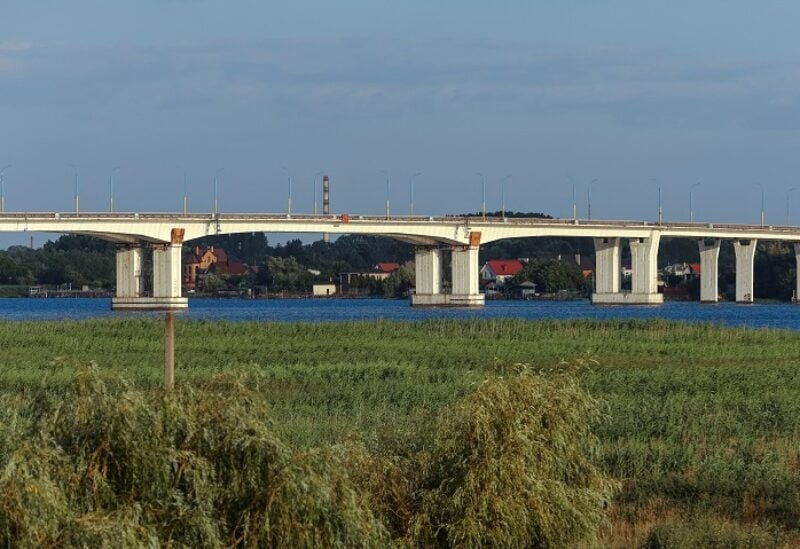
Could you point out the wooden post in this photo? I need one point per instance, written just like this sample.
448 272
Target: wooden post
169 352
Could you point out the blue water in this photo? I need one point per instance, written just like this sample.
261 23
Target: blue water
310 310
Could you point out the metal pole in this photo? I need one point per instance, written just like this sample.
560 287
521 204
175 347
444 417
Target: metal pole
77 199
387 195
660 211
216 191
483 194
503 195
185 196
411 191
574 204
691 208
111 189
169 351
289 207
787 204
3 189
589 198
760 186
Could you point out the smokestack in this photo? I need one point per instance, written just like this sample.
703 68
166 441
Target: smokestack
326 202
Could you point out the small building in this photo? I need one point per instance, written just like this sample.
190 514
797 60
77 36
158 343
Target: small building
527 290
500 270
324 289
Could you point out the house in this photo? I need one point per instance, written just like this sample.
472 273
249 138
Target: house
500 270
324 289
201 261
380 271
683 270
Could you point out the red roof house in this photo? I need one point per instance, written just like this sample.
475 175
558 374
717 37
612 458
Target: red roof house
499 270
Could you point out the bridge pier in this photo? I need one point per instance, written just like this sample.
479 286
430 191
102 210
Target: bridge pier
464 264
709 269
129 271
644 285
166 278
465 273
428 274
745 258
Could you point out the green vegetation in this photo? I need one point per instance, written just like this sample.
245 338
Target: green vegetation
700 423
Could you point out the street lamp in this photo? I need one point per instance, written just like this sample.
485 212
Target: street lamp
574 204
760 186
315 190
289 204
111 189
787 202
3 189
503 194
77 198
387 191
411 191
216 190
483 194
185 195
654 180
691 206
589 198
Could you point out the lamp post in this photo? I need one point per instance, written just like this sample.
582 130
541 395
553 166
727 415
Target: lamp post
760 186
387 191
315 190
216 190
185 196
111 189
660 216
77 196
574 204
691 205
589 198
503 194
289 203
3 189
788 191
483 194
411 192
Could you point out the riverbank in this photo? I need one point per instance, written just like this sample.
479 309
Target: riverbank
703 425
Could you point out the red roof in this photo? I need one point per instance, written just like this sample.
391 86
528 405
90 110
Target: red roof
388 267
695 267
505 267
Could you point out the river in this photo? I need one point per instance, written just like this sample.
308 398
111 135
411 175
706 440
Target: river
780 315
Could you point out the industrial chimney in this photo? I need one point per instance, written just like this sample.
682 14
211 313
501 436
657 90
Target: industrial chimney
326 202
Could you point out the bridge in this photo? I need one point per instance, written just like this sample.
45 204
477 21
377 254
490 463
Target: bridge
431 236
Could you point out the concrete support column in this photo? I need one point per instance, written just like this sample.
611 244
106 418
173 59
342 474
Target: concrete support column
644 262
167 271
709 270
129 272
797 276
745 258
428 273
606 270
166 279
464 264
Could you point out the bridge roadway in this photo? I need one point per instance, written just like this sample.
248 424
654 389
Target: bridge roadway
431 235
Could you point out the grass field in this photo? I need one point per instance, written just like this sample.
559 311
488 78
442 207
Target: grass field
701 428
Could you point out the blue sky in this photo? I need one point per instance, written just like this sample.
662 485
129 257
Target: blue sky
635 94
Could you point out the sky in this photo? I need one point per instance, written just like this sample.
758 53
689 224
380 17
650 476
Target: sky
637 95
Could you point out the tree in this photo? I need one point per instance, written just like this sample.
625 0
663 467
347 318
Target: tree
551 275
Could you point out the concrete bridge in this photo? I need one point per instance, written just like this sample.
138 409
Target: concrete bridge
461 236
